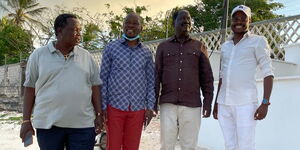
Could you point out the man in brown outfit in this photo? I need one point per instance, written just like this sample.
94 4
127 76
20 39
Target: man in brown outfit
182 69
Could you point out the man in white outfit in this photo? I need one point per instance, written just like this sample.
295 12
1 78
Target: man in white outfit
236 104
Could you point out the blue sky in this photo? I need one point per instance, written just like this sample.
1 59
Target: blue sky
292 7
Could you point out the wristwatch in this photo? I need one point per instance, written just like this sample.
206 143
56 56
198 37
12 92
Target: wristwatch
265 101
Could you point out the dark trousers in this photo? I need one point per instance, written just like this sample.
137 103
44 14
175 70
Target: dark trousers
58 138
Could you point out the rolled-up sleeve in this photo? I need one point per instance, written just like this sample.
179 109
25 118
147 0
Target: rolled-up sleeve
95 76
262 53
31 74
221 71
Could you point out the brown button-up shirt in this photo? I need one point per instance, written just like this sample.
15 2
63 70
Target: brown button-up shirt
182 69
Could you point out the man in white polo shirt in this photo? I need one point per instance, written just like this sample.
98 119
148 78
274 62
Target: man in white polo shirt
236 104
62 90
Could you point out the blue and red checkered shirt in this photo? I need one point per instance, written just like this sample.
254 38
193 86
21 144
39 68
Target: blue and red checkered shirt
128 76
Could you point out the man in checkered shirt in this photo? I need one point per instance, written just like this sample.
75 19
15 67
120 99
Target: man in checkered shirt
127 71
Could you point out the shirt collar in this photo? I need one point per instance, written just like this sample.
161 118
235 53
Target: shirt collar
246 35
52 49
123 41
174 39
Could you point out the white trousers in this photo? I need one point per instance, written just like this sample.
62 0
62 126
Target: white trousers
238 126
179 121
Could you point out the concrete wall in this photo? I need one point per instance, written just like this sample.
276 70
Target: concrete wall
11 104
281 68
10 80
10 74
279 131
292 54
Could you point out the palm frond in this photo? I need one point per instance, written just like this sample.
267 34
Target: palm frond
22 10
29 2
15 4
31 6
25 3
11 15
36 12
3 7
34 22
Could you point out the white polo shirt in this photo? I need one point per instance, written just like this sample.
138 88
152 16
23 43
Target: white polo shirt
62 87
238 69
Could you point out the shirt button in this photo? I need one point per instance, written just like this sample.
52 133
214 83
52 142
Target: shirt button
179 79
179 89
180 61
180 69
181 53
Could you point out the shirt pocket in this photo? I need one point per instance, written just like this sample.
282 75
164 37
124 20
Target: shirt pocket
193 58
170 58
138 61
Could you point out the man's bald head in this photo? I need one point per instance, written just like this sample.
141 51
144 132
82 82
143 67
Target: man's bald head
132 25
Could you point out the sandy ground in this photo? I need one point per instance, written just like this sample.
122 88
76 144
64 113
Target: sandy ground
9 135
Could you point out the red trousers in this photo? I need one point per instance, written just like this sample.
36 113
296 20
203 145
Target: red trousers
124 129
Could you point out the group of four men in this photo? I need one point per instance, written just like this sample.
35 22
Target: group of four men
63 87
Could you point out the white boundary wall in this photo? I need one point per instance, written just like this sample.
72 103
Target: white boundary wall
279 131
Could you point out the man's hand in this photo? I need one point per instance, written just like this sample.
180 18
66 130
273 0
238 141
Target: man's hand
25 128
29 100
215 111
149 114
155 110
261 112
98 124
206 112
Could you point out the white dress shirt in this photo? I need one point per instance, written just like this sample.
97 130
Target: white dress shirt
238 68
